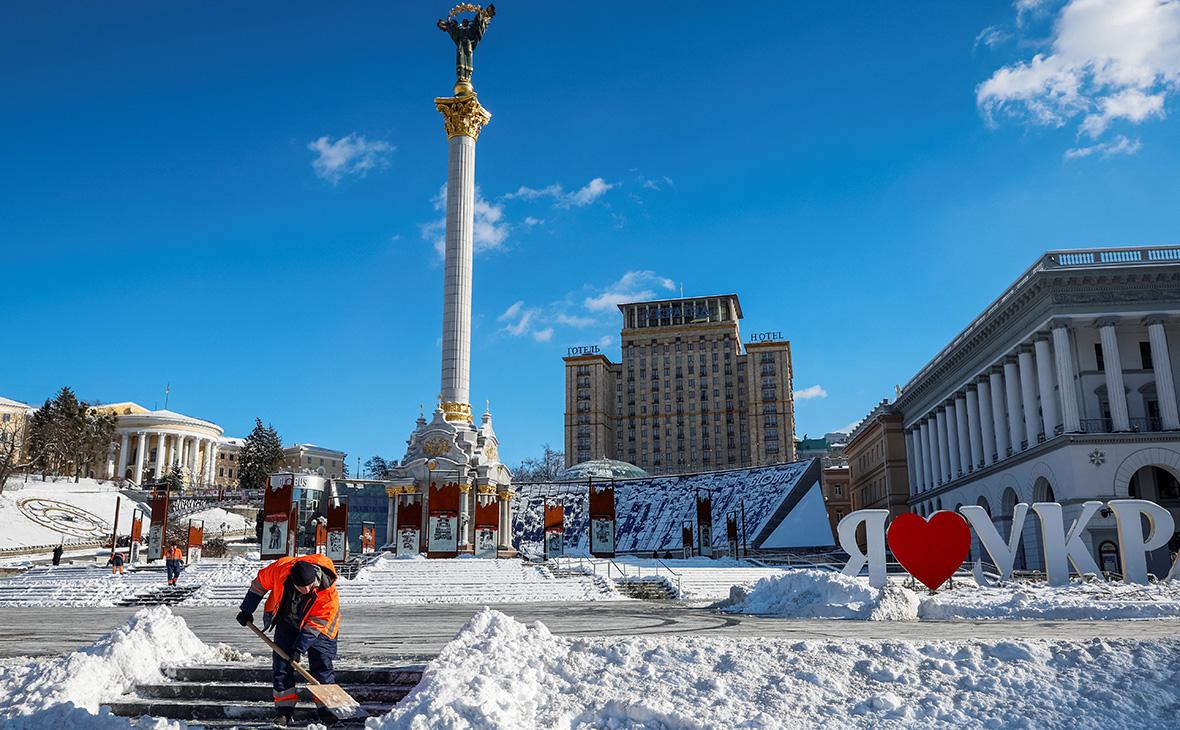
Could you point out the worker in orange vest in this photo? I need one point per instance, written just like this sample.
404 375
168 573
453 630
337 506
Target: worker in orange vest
173 560
303 607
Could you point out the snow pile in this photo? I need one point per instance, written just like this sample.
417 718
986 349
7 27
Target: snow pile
1083 600
498 673
43 692
814 593
218 520
84 511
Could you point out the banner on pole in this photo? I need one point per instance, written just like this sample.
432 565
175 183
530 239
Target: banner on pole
409 524
731 534
602 520
196 540
158 523
705 524
487 524
136 534
276 520
554 529
686 541
443 526
321 536
338 530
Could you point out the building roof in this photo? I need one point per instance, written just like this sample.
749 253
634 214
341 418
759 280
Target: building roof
600 469
737 305
13 403
313 447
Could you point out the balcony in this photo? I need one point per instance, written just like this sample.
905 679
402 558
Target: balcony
1105 425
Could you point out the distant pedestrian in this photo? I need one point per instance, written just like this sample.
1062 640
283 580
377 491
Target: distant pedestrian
173 560
116 562
1174 545
57 551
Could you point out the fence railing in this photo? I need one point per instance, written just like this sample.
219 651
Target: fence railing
615 571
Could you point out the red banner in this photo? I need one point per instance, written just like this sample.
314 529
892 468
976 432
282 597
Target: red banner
731 533
196 540
686 540
159 521
602 521
321 537
705 523
137 526
487 525
338 530
276 509
442 534
554 529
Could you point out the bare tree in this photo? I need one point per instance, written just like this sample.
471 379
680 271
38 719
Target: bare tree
12 449
543 469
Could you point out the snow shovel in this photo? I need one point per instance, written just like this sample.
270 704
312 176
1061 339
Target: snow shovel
332 696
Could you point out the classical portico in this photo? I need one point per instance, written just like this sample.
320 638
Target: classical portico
149 443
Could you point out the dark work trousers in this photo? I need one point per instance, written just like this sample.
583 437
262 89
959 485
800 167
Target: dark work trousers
173 568
319 662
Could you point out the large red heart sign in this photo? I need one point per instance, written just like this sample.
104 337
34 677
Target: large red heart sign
931 550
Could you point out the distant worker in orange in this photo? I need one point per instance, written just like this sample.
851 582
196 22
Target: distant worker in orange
304 609
173 560
116 562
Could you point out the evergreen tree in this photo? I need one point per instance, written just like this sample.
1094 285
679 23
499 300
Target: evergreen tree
380 468
260 456
67 436
174 480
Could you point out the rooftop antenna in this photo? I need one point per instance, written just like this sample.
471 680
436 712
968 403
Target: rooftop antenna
167 393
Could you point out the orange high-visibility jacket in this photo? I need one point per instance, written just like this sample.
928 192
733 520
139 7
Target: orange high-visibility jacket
173 553
323 615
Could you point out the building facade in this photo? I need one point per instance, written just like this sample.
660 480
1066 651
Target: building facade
876 453
837 495
149 443
685 397
1063 389
14 424
312 459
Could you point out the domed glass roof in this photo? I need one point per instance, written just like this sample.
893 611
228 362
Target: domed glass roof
601 469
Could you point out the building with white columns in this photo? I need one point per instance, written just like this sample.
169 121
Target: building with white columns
1063 389
148 443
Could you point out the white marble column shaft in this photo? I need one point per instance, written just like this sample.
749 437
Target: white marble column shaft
944 459
456 345
1063 357
962 434
140 455
124 454
1116 393
1161 363
999 417
161 456
927 458
1028 396
1049 422
987 424
974 430
1012 390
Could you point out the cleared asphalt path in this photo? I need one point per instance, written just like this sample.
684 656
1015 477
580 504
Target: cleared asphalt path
385 633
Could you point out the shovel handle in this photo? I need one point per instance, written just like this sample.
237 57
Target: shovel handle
275 648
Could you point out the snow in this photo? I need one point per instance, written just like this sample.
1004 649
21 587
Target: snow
498 673
68 691
699 579
88 516
218 520
814 593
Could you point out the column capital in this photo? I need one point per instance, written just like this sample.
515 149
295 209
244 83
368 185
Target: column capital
1155 319
1041 337
463 116
1106 321
1025 349
1060 323
971 387
1010 360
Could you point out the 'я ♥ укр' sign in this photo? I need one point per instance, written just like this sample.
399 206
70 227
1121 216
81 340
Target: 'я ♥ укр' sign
932 549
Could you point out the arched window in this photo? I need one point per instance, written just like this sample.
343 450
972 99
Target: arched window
1108 557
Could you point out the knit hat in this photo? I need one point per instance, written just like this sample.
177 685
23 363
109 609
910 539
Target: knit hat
304 573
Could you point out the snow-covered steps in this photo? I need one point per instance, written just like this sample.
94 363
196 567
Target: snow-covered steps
469 580
164 595
239 695
655 588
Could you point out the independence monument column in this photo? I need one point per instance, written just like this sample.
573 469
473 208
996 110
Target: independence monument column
463 118
443 495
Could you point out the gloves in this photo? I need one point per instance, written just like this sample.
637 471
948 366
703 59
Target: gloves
245 618
296 657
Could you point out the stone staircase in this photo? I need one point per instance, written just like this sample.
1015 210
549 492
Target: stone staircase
164 595
655 588
240 695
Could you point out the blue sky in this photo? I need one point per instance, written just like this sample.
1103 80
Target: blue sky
239 199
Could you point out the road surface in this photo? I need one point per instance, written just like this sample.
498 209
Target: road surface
388 633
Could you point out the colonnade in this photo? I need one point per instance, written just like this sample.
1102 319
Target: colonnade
195 454
1029 396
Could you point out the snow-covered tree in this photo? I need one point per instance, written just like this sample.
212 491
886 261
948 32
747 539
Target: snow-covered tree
260 456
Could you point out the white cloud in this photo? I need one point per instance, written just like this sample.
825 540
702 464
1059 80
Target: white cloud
349 155
991 36
632 286
512 311
490 231
1119 146
580 198
1106 60
543 335
573 320
531 221
815 391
